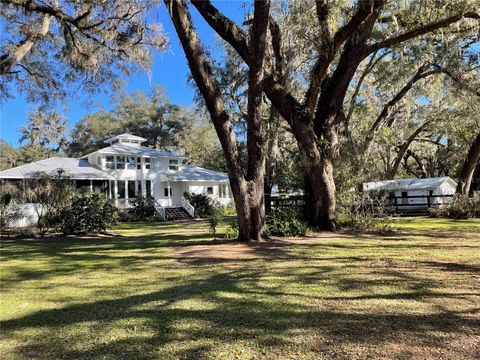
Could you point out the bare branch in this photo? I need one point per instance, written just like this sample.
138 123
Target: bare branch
419 31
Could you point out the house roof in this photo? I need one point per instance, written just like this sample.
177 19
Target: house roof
78 169
135 150
408 184
195 173
125 136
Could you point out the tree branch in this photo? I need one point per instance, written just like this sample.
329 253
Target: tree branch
420 74
404 147
223 26
418 32
207 84
10 60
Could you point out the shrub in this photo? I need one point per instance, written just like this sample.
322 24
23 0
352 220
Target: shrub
232 230
10 212
89 213
362 212
229 210
285 223
460 207
50 195
204 205
214 219
143 209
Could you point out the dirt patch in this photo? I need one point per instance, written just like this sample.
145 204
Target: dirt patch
231 250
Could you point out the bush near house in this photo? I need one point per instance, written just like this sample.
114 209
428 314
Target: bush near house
89 213
461 207
285 223
204 205
143 209
10 211
362 212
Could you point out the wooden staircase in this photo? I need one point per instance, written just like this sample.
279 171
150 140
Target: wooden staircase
176 213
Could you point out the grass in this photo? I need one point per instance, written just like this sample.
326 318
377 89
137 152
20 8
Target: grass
167 291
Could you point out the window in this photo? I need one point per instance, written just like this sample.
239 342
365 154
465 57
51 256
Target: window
139 188
404 194
131 189
223 191
131 162
110 162
120 162
147 163
148 188
139 163
173 164
210 190
99 160
165 192
121 189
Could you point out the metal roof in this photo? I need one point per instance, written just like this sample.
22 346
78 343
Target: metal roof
195 173
78 169
125 136
408 184
135 150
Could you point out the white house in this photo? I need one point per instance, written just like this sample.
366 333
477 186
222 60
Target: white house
126 169
410 195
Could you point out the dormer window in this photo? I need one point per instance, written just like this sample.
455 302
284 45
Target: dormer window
126 139
120 162
110 162
173 164
131 163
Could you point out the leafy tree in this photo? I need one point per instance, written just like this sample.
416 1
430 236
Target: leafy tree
9 156
197 140
339 39
152 117
50 48
46 130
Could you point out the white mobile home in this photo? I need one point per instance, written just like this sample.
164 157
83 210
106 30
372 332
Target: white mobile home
126 169
410 195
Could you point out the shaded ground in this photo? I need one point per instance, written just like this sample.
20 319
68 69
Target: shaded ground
168 291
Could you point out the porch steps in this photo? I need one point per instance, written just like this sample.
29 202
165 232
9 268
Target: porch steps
176 213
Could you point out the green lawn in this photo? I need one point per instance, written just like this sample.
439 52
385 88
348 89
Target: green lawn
168 291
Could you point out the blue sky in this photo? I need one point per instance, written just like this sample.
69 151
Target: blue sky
169 70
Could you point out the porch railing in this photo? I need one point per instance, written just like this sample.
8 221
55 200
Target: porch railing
188 207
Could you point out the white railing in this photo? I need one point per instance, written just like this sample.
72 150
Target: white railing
161 210
188 207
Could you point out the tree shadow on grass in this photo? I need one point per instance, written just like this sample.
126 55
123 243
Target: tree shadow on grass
238 318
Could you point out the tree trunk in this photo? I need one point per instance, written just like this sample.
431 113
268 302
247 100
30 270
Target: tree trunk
471 162
320 203
247 190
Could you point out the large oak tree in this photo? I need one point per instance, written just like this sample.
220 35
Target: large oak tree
344 42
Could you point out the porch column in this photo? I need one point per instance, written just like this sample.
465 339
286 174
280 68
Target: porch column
91 185
115 192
